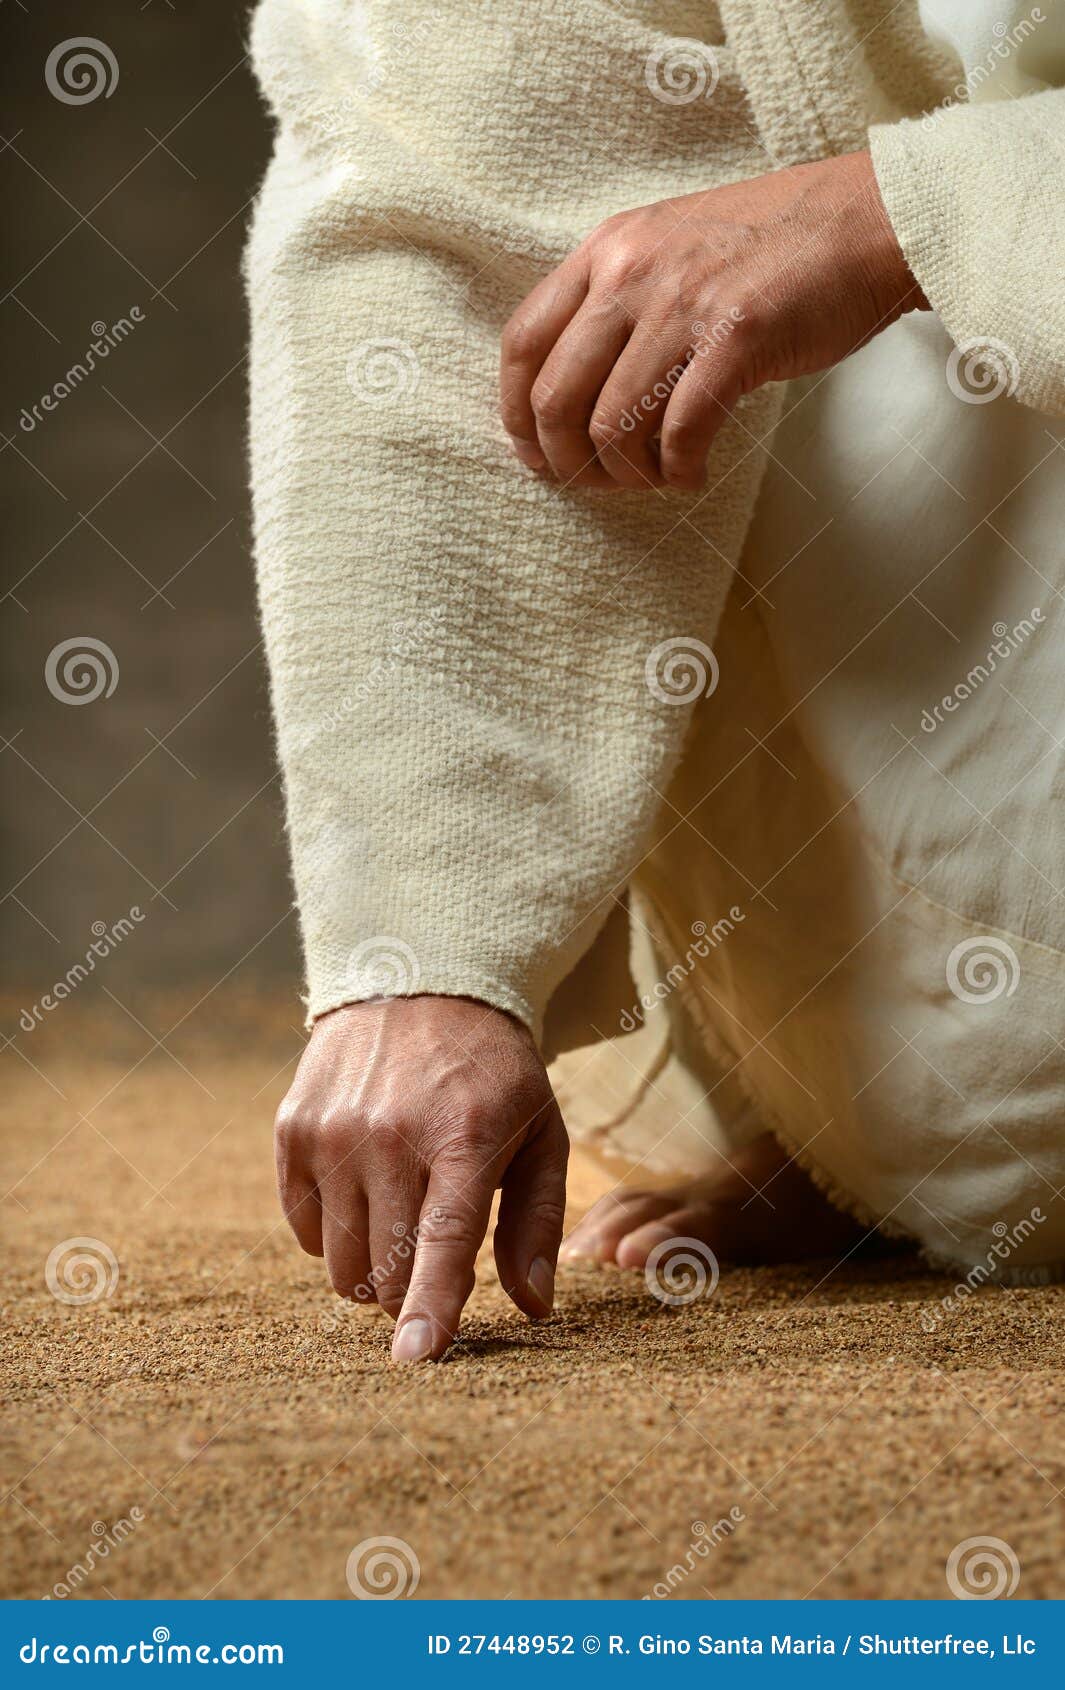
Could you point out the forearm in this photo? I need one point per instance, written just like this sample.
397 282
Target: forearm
466 794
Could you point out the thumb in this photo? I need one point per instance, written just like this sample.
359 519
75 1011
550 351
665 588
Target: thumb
532 1212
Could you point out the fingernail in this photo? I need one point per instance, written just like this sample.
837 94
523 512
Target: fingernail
529 453
413 1341
570 1252
541 1282
581 1246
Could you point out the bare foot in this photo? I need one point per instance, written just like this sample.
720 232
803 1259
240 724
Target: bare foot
761 1207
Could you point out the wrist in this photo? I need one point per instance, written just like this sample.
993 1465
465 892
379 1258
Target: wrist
881 257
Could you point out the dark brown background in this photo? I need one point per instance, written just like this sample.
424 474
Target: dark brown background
126 509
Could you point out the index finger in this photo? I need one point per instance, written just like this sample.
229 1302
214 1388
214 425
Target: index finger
451 1229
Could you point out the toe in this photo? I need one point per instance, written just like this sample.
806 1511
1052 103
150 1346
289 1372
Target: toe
702 1224
607 1222
633 1250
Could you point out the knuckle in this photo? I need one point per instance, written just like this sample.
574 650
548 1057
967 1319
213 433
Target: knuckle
527 1089
607 237
553 405
481 1116
347 1286
614 270
299 1214
682 437
610 225
615 233
290 1123
513 418
605 433
466 1141
447 1223
305 1236
627 257
520 340
546 1213
332 1134
292 1193
387 1138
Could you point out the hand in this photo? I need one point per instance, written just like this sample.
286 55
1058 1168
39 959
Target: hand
404 1117
664 317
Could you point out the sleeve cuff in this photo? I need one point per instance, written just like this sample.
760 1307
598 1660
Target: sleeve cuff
968 190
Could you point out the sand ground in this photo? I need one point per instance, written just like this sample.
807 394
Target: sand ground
256 1424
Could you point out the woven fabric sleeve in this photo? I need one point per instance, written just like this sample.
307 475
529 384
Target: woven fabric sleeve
974 193
478 678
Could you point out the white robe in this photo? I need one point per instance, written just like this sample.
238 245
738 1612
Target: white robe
476 766
887 993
